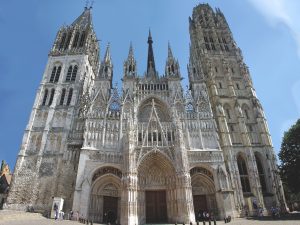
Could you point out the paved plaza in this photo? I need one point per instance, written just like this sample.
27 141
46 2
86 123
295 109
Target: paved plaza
22 218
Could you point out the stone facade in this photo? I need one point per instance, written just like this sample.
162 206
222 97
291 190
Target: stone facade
151 152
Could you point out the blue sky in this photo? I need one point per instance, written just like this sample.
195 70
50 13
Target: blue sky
267 31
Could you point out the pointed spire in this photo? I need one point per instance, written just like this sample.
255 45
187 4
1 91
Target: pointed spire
85 19
170 54
130 64
130 54
107 57
150 61
172 65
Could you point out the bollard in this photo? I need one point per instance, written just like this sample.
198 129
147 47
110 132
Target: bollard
197 222
215 222
203 222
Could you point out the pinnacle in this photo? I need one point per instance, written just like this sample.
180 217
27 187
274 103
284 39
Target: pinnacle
170 54
130 54
85 19
107 57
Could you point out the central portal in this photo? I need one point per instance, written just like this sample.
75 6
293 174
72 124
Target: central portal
156 207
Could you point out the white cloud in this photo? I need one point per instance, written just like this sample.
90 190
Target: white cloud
281 11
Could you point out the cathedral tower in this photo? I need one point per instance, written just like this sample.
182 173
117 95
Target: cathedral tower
47 162
217 62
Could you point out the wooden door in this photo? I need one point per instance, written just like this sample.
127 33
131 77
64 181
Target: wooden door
156 207
200 205
110 209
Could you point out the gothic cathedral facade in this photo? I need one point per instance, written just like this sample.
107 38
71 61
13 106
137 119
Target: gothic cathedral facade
151 152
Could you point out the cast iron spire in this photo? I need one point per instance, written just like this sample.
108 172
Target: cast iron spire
150 62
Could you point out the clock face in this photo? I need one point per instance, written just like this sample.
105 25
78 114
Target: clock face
114 106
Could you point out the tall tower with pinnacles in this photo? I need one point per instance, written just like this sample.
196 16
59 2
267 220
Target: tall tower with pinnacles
151 152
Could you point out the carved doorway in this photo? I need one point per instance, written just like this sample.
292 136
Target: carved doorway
200 206
204 194
156 207
104 205
110 209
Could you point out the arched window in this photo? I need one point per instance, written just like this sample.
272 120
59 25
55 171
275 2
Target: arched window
68 41
51 97
68 78
130 68
261 173
246 113
244 177
45 97
57 74
63 39
82 39
62 97
75 42
227 110
245 109
74 73
53 74
70 96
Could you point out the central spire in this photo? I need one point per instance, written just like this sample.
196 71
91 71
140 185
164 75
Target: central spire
150 62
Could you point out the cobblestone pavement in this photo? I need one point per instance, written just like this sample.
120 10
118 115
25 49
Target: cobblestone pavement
21 218
66 222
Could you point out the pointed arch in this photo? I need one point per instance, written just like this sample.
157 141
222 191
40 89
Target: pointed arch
228 112
45 97
57 75
62 42
53 74
70 96
161 107
243 171
69 73
74 73
68 41
82 39
51 96
246 111
261 172
62 97
75 42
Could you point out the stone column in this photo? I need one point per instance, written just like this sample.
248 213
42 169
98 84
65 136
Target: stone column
129 200
185 204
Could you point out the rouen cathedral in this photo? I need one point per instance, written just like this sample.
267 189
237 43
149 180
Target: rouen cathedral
149 152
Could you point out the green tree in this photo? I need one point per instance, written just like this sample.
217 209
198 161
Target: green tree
289 156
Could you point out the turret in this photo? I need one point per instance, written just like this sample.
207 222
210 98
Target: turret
130 64
106 68
78 38
172 65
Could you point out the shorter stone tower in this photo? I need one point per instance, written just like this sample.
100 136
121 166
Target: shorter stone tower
47 163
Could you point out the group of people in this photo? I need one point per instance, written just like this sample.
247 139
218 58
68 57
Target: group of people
275 211
61 215
205 216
